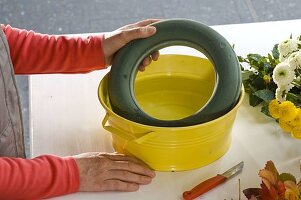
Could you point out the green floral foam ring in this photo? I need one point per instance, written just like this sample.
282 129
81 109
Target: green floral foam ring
176 32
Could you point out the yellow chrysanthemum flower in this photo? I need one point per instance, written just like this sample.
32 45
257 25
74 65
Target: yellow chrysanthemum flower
287 111
286 125
296 132
274 108
297 120
292 191
291 195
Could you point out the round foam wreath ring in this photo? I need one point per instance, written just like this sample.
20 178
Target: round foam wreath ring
176 32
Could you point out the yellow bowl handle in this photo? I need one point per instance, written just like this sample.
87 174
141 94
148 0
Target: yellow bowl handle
116 131
126 135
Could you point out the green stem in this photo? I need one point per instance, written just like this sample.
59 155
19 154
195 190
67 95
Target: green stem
293 96
298 72
297 84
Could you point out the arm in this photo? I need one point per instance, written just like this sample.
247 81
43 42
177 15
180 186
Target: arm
35 53
37 178
48 176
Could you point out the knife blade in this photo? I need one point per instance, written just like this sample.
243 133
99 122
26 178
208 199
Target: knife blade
210 183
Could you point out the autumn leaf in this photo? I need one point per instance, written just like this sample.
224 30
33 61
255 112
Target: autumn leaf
269 175
268 178
272 187
252 193
287 177
292 191
268 194
271 167
276 192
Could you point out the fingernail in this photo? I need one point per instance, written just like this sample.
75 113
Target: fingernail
147 180
153 174
150 29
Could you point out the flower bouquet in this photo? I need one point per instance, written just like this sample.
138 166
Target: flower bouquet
275 186
274 82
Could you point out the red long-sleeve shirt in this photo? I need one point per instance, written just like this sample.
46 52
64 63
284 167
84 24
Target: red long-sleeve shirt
33 53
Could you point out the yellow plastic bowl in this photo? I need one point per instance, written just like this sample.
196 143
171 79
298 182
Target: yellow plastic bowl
173 87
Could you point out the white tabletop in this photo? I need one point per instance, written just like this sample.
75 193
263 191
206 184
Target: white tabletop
65 119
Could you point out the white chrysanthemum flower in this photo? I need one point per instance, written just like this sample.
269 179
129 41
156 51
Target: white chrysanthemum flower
280 94
294 60
282 91
282 58
287 47
283 74
288 87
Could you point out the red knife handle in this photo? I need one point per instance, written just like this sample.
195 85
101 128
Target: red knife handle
204 187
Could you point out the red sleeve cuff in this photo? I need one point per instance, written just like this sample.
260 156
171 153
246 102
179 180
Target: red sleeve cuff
73 174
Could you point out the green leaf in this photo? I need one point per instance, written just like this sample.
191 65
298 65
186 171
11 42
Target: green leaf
267 67
275 51
294 97
257 82
246 74
246 84
265 109
270 57
254 100
240 59
265 95
255 57
287 177
241 67
264 59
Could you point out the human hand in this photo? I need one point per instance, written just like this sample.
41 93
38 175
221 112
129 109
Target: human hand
115 40
111 171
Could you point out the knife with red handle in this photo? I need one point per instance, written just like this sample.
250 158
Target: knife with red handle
211 183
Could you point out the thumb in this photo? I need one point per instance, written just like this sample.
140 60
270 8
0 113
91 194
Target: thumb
117 39
136 33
